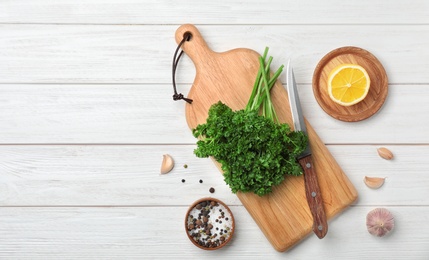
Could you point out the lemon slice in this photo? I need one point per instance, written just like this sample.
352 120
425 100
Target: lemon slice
348 84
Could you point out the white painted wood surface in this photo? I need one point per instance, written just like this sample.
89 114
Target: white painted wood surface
86 115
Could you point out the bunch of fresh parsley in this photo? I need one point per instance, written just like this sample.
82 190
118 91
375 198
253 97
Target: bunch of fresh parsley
254 149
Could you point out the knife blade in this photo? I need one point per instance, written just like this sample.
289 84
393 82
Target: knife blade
312 189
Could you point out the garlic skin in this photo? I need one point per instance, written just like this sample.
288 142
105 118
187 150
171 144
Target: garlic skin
374 182
379 222
167 164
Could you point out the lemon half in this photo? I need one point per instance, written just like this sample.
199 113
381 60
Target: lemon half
348 84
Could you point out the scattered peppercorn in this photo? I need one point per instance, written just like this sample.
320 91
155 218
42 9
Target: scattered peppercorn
185 166
201 181
183 180
212 190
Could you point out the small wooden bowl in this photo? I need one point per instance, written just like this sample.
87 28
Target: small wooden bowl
377 92
212 214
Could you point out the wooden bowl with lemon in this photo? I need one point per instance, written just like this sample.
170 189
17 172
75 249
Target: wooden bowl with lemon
350 84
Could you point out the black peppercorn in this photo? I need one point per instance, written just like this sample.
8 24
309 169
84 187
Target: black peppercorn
201 181
183 180
212 190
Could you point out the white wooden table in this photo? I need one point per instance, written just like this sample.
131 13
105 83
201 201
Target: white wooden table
86 115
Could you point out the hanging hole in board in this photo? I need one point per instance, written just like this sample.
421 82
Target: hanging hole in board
187 36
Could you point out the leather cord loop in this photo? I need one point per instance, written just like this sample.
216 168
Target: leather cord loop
178 96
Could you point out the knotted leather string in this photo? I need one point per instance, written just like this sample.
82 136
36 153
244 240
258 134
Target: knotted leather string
177 96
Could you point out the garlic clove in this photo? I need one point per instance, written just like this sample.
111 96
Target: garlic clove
167 164
379 222
374 182
385 153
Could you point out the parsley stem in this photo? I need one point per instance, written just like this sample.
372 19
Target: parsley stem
250 103
260 98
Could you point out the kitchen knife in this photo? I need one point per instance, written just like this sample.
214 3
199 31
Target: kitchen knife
312 190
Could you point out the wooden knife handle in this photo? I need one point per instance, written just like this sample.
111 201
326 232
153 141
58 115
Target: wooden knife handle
314 197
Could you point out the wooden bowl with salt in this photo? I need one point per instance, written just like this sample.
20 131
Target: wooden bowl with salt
209 224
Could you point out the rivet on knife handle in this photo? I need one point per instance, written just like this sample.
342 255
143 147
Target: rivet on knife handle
314 197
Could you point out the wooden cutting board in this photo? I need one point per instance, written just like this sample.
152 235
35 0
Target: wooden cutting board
283 216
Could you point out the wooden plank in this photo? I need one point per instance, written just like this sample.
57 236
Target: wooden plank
91 114
115 175
219 12
404 109
146 114
158 232
105 175
143 54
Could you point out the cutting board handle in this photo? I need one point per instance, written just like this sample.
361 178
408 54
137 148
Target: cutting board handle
196 47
